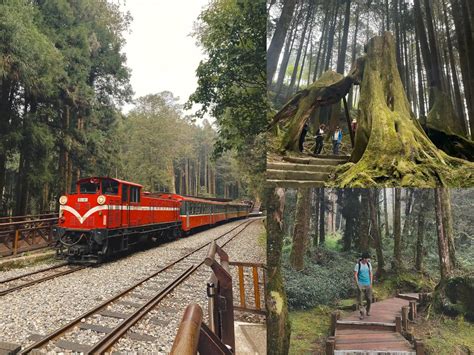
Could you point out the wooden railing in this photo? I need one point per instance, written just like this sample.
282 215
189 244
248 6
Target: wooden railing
20 234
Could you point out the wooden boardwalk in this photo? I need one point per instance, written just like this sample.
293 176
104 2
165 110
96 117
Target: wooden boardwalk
379 333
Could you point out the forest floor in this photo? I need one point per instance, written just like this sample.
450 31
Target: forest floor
310 324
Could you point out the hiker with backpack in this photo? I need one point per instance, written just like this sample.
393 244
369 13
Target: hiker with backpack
364 277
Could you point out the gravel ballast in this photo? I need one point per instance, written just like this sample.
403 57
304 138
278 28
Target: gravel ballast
45 307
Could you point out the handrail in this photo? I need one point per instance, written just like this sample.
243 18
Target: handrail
187 338
19 223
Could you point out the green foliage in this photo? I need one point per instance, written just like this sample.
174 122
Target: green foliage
307 327
232 80
326 278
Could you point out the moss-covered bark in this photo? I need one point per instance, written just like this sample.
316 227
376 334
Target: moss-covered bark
300 233
454 296
329 89
391 148
278 324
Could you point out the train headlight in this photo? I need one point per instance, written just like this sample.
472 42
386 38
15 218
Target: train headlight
63 200
101 199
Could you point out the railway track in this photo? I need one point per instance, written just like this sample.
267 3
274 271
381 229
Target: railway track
26 280
141 298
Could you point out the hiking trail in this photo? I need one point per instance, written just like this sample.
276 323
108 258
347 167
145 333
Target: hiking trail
380 333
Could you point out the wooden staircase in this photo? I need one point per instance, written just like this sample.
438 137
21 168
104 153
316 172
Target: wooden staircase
303 171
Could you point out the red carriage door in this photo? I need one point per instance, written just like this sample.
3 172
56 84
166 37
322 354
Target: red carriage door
125 208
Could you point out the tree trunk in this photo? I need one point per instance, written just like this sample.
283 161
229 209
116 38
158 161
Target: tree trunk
390 146
387 229
445 197
421 230
397 252
273 53
322 212
372 196
316 198
332 30
341 60
300 232
443 248
278 323
365 217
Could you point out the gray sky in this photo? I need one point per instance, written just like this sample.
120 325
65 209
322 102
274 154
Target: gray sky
160 51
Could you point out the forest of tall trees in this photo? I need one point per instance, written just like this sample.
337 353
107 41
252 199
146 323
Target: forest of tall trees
424 232
64 80
405 69
434 44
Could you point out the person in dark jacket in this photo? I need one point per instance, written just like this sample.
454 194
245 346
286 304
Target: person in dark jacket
319 139
303 136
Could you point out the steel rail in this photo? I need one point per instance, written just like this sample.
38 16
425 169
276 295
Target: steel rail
55 334
106 343
32 273
46 278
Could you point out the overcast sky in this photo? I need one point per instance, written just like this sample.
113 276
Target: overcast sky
159 49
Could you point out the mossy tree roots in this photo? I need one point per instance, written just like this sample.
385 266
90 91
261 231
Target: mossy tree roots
391 148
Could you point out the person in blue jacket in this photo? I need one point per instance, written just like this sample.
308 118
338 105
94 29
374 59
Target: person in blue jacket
336 140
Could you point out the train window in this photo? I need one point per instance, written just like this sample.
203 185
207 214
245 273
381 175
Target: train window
124 193
89 187
134 194
110 187
183 208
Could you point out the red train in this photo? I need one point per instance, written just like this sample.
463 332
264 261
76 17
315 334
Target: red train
107 216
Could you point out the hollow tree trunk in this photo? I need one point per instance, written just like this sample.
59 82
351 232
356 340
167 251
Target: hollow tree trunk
300 232
390 147
278 323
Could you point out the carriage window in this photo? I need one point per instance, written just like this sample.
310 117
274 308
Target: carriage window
183 208
89 187
134 194
124 193
110 187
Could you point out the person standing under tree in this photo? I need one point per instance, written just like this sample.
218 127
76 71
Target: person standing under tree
364 277
336 140
303 136
319 139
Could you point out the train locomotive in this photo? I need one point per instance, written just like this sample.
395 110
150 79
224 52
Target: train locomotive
106 216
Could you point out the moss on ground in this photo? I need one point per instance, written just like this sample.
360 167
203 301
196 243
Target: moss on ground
309 330
404 282
24 262
443 335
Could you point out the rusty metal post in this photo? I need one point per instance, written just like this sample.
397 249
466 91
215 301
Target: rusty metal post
330 345
405 318
224 293
398 324
187 338
15 241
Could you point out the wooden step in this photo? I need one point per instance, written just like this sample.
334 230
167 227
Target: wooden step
300 167
365 325
317 161
295 183
296 175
